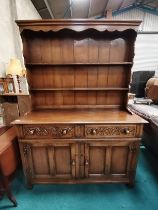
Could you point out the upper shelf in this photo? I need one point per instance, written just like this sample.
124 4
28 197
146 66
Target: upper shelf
81 64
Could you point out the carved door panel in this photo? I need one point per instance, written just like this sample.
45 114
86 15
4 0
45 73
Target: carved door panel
95 159
49 160
123 159
110 159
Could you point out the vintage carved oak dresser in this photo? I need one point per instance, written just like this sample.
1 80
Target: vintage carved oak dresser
79 129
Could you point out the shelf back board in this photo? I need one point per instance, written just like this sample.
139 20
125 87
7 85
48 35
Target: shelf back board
73 64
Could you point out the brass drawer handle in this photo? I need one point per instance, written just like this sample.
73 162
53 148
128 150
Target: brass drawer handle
127 131
94 132
86 162
64 132
32 132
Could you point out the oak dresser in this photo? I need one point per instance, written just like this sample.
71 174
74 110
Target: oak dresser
79 129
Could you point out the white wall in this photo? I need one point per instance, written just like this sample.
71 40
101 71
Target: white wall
10 42
7 46
146 46
26 10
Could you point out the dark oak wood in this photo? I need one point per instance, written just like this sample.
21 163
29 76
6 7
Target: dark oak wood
77 24
9 160
79 130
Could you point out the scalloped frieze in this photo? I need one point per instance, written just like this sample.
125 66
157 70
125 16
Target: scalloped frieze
78 25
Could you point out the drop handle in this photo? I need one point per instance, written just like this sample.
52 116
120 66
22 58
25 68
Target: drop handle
127 131
94 132
86 162
64 132
32 132
73 162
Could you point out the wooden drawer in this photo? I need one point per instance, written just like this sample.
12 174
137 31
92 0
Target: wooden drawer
100 131
78 131
48 131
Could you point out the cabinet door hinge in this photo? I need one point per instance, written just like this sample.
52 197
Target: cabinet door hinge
133 149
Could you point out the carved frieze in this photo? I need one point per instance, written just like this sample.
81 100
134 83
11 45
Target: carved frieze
48 131
111 131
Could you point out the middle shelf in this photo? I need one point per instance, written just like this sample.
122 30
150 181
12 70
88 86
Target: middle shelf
79 64
71 89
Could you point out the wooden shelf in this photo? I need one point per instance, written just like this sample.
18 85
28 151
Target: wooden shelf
78 106
75 89
80 64
14 94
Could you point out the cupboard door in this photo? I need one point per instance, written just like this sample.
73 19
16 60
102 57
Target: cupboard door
110 159
95 159
49 160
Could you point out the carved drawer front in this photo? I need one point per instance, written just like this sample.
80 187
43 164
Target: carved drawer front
101 131
49 131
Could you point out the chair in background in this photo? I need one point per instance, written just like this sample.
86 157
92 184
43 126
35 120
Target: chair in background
139 80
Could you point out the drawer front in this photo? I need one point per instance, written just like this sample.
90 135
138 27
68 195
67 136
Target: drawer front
48 131
101 131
